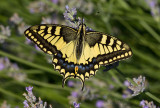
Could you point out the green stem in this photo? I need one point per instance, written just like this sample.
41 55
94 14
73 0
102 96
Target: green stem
150 30
116 78
153 97
28 63
47 85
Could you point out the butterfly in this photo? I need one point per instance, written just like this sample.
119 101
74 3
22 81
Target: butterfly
77 53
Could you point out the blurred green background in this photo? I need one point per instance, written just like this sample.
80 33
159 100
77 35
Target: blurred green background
22 64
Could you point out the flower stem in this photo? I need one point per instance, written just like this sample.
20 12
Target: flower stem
153 97
53 86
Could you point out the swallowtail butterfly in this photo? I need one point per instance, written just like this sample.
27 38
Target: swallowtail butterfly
77 53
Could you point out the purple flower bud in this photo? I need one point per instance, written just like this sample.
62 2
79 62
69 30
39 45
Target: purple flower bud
76 105
142 103
100 104
55 1
152 4
126 83
70 83
25 104
29 89
74 94
67 7
124 96
2 66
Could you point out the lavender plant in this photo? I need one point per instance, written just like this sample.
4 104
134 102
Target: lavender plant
31 101
146 104
155 9
138 87
13 69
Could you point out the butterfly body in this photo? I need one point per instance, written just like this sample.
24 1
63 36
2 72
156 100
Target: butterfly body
78 53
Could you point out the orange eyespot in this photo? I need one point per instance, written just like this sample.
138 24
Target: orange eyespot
76 69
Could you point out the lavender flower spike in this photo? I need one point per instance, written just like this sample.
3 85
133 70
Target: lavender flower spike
140 81
5 30
70 16
155 9
31 102
146 104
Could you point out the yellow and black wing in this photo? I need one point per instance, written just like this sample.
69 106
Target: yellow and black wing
105 49
100 50
51 38
59 41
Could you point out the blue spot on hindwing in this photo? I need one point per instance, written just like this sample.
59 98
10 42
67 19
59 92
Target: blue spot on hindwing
87 68
80 66
94 60
60 62
64 64
59 55
83 69
72 65
90 66
68 66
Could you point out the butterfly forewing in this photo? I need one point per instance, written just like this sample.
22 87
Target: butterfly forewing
51 38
